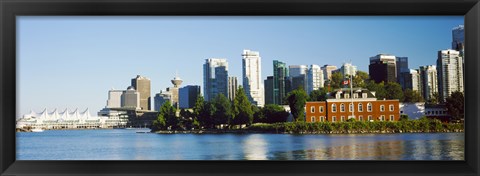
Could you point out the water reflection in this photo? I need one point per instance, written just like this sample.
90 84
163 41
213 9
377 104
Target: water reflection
382 150
254 147
125 145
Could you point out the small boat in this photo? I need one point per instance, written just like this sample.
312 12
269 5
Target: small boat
37 130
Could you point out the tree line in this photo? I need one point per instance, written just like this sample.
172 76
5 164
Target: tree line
219 113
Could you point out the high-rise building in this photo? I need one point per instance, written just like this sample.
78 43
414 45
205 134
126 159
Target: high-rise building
131 99
403 71
269 90
142 85
428 80
327 71
232 87
188 96
280 77
315 78
347 69
114 99
215 78
458 39
298 76
174 91
414 81
252 77
383 68
161 98
450 73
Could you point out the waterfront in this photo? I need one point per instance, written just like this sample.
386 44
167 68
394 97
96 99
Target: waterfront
123 144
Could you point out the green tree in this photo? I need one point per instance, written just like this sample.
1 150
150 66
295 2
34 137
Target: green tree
393 91
167 118
411 96
273 113
336 81
379 89
203 112
318 95
223 110
435 98
243 113
296 100
455 105
360 79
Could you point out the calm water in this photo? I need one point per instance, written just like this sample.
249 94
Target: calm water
123 144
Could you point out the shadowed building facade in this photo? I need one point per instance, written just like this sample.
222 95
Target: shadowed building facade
383 68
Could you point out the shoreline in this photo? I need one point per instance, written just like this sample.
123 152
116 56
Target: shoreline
299 133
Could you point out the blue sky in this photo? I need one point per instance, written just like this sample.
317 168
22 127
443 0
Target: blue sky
72 62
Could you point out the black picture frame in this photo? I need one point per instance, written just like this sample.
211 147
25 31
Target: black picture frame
9 9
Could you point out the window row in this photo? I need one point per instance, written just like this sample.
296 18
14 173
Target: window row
360 107
342 118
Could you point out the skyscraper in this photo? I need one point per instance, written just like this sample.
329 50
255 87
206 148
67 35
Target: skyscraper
327 71
403 71
269 90
383 68
414 82
232 87
114 99
131 99
252 77
315 78
348 69
428 80
188 96
458 39
280 76
142 85
450 73
161 98
298 76
215 78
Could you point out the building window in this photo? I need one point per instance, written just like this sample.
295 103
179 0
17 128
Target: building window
312 109
342 118
369 107
364 95
391 107
360 107
312 118
334 119
334 107
322 119
370 118
391 118
350 108
382 108
342 107
360 118
337 96
355 95
382 118
347 96
320 108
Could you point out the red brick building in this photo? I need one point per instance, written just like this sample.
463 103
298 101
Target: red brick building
363 107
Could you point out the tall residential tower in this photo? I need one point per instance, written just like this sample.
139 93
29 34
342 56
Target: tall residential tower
252 77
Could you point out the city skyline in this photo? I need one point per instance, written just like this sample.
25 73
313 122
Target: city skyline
77 73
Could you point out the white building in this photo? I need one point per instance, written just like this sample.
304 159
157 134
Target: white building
315 78
415 80
67 120
114 98
348 69
232 87
450 72
215 78
252 77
